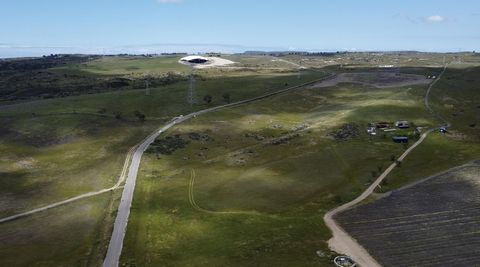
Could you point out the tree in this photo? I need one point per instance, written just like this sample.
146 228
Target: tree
139 115
118 115
226 97
379 168
207 99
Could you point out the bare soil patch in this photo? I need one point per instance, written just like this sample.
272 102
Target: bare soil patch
379 79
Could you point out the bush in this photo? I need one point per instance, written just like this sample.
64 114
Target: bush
167 145
207 99
118 115
226 97
139 115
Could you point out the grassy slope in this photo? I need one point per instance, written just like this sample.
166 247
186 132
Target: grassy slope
169 100
51 156
47 159
281 191
127 66
66 236
456 98
90 133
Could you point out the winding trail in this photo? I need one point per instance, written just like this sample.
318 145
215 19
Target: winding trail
193 203
341 241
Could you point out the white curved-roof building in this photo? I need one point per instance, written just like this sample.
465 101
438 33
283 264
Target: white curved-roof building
205 62
195 59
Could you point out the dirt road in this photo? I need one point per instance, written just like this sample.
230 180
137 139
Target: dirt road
342 242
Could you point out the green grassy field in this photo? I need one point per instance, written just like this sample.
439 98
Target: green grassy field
51 158
127 66
456 99
264 174
72 235
58 148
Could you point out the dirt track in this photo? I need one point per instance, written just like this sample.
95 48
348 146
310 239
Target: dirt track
341 241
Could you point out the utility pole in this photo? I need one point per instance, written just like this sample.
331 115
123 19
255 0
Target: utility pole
192 94
300 68
397 70
147 84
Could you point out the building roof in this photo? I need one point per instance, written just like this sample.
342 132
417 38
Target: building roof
190 58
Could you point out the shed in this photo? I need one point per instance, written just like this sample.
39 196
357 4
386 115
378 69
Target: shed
402 124
400 139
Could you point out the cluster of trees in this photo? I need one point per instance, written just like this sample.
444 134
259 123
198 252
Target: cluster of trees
40 63
208 98
22 79
119 115
140 116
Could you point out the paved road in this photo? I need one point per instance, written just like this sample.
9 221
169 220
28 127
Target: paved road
121 221
120 226
121 179
123 175
341 241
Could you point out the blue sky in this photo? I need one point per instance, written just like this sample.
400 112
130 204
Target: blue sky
32 27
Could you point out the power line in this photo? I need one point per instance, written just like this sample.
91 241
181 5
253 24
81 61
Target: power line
192 94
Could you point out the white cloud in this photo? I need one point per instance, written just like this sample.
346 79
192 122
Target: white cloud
169 1
434 19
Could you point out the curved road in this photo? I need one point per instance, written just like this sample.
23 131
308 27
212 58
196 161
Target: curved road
120 226
341 241
122 177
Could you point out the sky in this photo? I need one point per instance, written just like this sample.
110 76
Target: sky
37 27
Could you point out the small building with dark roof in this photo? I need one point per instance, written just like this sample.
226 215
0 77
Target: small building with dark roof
400 139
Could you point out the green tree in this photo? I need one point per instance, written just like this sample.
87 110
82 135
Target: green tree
207 99
226 97
140 116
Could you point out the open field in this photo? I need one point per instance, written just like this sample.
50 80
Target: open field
64 76
130 66
377 79
73 235
387 60
432 223
250 184
53 149
265 172
456 98
47 159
